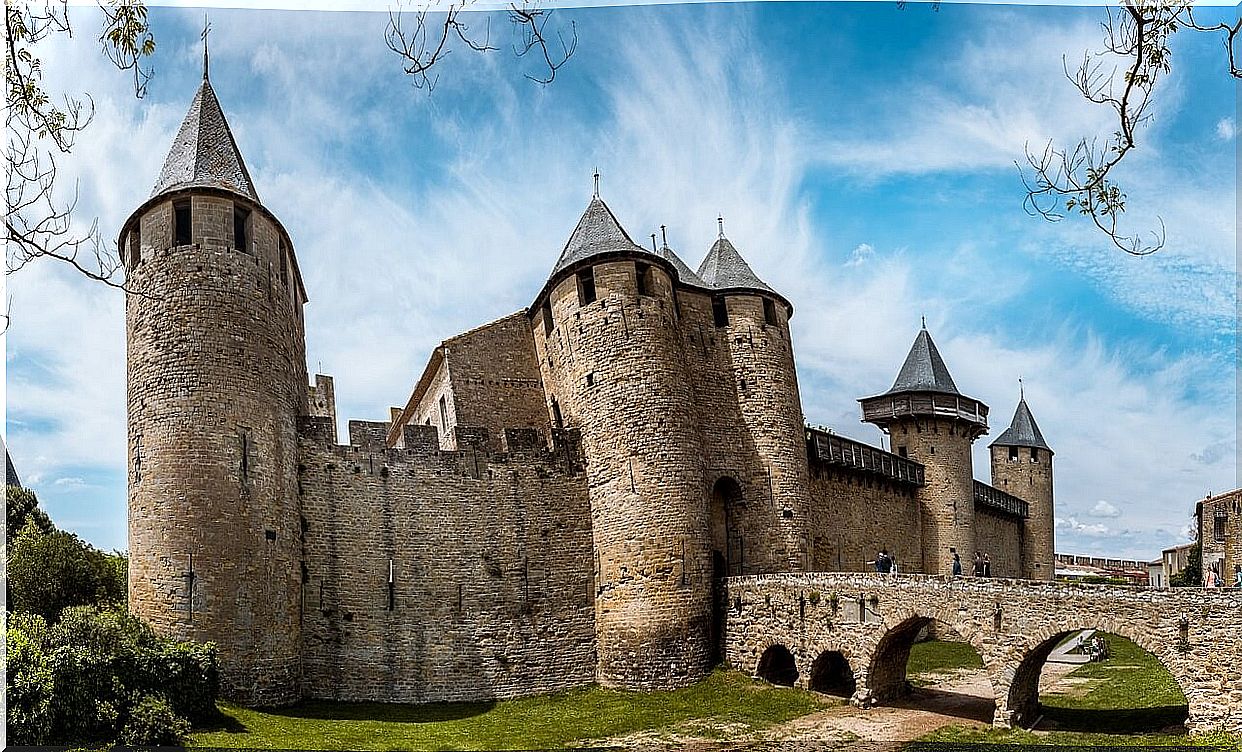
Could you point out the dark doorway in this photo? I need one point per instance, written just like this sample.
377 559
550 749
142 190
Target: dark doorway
727 555
831 674
777 666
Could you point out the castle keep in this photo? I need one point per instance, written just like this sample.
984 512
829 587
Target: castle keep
561 497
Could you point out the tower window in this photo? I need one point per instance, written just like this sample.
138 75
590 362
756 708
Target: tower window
642 277
241 223
720 311
901 452
1218 527
547 317
1034 454
443 414
284 263
135 244
1013 454
769 313
557 420
181 223
586 286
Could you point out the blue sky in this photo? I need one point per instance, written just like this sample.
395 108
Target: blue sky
863 159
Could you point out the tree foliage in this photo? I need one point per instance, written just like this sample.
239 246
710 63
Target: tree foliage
50 569
100 674
1192 575
1122 76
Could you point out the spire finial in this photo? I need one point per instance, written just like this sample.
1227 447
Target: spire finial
596 193
924 319
1021 390
206 30
653 243
720 224
664 235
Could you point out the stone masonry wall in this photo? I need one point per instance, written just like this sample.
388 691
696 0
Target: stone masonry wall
490 558
854 516
1225 552
1000 537
947 500
615 368
1012 624
1030 479
216 380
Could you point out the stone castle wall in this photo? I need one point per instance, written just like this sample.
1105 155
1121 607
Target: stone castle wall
216 378
490 558
615 368
854 516
1030 479
1223 551
999 536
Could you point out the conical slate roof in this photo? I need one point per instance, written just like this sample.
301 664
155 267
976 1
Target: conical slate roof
725 269
11 471
684 274
1023 430
204 153
924 369
598 233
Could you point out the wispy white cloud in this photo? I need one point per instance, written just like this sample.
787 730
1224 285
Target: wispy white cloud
1226 129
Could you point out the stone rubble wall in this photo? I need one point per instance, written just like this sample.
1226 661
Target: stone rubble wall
491 564
1013 624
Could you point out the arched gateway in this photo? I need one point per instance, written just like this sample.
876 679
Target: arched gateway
1012 624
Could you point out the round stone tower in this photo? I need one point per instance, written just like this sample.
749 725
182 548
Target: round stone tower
610 352
1022 466
930 421
753 320
216 382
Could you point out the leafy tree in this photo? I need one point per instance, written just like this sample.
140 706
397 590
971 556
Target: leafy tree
49 571
21 506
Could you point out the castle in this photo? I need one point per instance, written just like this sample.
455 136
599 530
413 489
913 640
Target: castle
561 497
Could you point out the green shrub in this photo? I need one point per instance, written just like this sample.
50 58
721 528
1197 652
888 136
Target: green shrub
50 571
29 682
152 722
22 506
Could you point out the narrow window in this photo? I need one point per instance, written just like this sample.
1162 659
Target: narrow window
769 313
1013 454
443 414
720 311
1218 527
586 286
547 317
642 275
931 450
241 222
181 223
557 420
1034 454
901 451
284 263
590 379
135 245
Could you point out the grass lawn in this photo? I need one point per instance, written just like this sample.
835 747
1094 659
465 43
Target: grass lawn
725 700
939 657
1127 700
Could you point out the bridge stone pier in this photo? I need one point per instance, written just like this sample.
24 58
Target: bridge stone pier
853 633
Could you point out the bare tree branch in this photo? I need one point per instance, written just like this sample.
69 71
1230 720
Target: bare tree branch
422 38
1078 179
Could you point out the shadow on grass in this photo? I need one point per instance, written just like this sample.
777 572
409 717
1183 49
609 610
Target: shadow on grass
220 722
376 711
1169 719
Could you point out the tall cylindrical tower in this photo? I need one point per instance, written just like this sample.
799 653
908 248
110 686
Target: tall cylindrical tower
611 356
1022 466
216 381
930 421
752 322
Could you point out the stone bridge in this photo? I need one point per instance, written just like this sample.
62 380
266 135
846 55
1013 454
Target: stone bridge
852 633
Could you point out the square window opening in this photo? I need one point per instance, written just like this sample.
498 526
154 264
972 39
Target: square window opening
586 286
720 311
181 223
642 277
241 228
769 313
1013 454
547 317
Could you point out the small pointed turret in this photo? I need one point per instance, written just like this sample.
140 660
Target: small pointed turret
598 233
924 370
1023 431
724 269
685 274
204 154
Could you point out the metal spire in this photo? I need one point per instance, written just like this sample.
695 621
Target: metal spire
653 244
720 224
664 235
596 193
206 30
1021 390
924 318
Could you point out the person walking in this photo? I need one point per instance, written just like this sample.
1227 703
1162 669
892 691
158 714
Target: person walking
978 570
1210 580
957 565
883 562
987 565
1237 575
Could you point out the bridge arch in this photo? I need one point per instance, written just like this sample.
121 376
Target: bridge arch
1022 697
832 674
886 673
778 666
